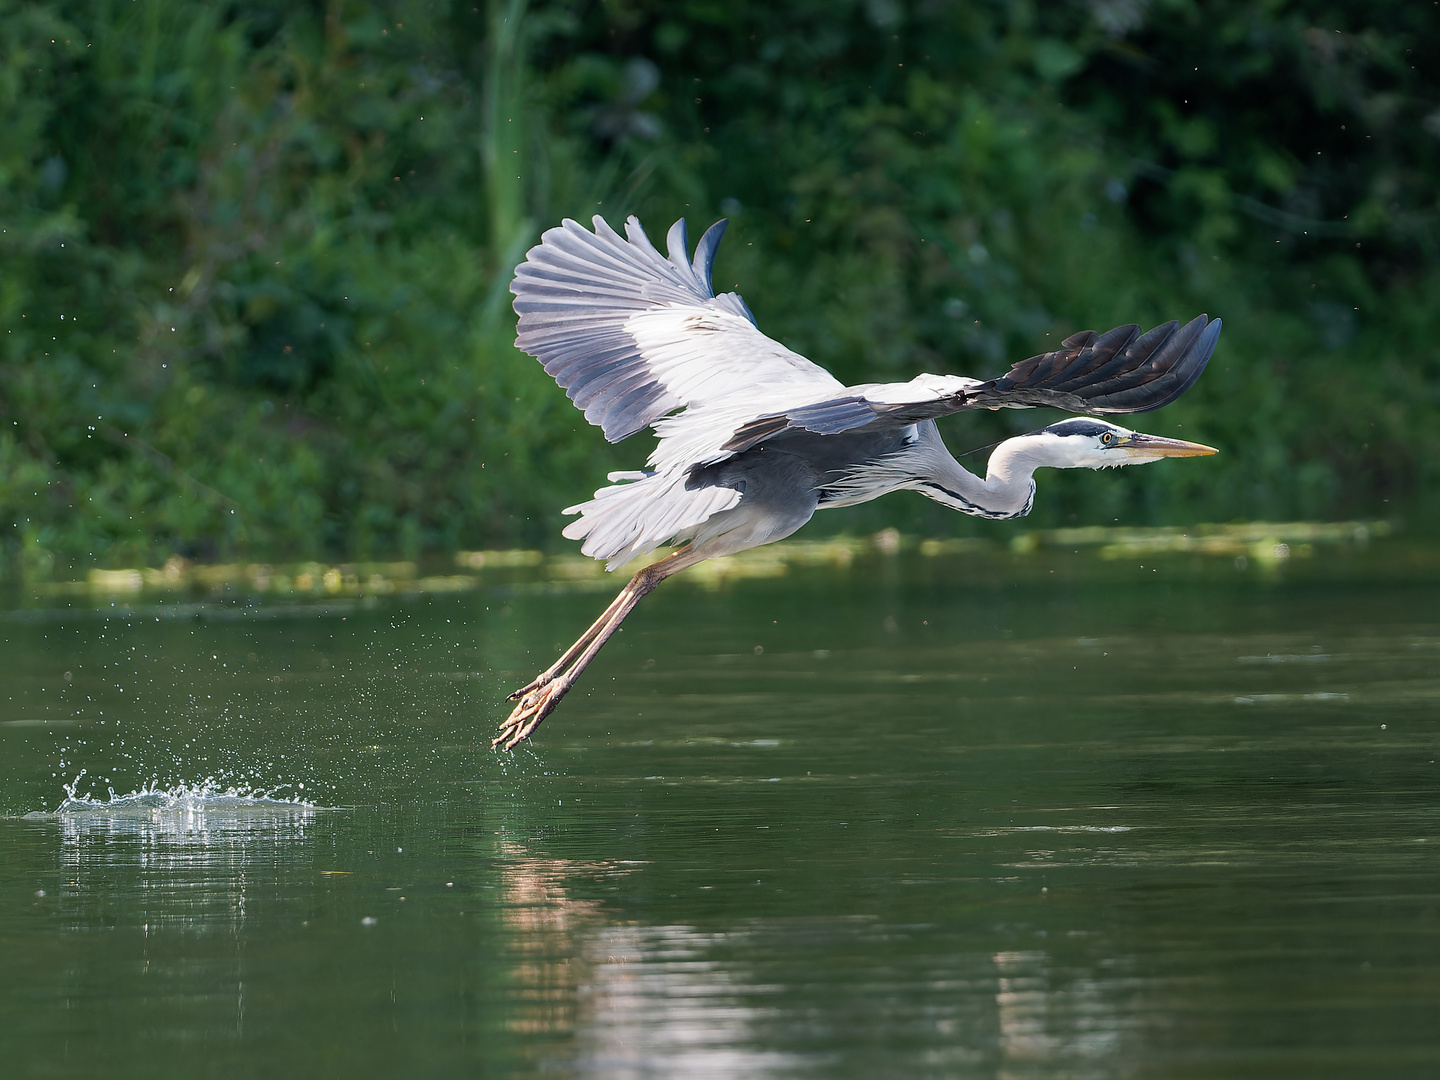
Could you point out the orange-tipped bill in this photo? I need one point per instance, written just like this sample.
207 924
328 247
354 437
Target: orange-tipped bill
1141 447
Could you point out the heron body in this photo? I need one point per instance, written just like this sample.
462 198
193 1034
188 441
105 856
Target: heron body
753 438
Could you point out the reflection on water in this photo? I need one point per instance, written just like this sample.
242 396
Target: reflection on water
660 1005
624 1000
637 1000
915 821
545 927
177 861
1047 1026
183 856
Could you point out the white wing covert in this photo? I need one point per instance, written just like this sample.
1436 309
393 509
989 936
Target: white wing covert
1119 371
633 336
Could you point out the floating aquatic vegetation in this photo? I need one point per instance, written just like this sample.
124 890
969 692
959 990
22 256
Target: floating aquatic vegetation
479 560
1262 540
1265 543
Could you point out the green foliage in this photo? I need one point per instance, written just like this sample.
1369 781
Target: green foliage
254 261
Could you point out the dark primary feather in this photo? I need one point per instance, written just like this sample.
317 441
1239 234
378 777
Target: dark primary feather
1119 371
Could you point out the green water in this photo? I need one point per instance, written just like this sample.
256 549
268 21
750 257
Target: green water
914 818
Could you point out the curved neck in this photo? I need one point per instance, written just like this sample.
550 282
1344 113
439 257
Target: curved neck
1007 491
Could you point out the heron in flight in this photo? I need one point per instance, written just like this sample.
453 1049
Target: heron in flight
754 438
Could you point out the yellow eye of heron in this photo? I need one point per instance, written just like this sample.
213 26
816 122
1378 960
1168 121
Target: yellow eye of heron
1107 438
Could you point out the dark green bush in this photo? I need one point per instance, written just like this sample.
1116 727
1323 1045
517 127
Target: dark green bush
254 261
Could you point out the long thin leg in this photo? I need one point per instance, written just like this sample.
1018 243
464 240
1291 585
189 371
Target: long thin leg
568 656
539 697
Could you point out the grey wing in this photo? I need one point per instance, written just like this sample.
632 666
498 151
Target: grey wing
632 335
1119 371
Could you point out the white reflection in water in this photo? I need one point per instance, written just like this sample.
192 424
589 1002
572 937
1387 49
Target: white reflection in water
1074 1025
639 1001
630 1001
179 859
654 1007
181 854
661 1001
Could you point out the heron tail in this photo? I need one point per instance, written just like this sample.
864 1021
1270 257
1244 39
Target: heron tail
644 511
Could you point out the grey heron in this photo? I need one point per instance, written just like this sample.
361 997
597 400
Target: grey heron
754 438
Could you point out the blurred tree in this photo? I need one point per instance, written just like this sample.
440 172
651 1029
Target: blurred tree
255 255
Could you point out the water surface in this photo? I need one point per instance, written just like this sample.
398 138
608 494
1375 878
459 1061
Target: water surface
949 816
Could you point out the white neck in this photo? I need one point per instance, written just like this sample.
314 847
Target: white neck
1007 491
926 466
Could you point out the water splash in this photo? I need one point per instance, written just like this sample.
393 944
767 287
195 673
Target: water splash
219 821
184 798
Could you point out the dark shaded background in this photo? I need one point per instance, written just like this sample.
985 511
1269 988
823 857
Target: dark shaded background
254 256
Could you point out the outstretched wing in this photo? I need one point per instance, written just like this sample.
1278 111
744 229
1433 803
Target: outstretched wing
1119 371
632 335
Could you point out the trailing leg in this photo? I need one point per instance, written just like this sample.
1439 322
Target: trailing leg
538 698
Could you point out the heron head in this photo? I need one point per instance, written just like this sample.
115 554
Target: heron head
1086 443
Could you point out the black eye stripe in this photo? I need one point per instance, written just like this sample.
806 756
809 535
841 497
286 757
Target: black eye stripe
1079 425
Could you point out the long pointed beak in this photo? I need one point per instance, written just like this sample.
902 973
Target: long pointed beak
1143 447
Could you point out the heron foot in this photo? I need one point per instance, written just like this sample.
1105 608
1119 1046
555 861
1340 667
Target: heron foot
537 699
535 683
535 705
